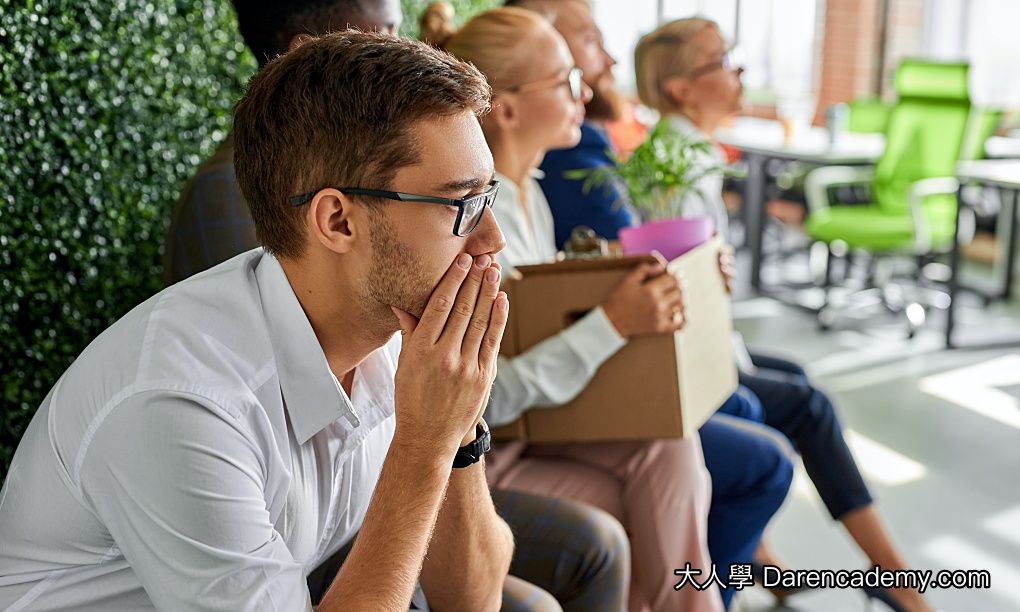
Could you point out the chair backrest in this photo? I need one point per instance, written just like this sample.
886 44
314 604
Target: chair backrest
925 131
868 115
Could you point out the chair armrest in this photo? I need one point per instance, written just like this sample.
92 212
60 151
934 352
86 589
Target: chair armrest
919 190
818 182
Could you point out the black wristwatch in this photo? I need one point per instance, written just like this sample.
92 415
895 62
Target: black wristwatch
469 454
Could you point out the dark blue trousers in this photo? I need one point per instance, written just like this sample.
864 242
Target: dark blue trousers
750 478
806 416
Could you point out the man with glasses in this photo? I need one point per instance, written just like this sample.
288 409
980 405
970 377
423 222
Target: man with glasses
469 210
568 555
235 430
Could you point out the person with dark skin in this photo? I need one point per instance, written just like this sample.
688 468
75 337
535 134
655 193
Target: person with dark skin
211 222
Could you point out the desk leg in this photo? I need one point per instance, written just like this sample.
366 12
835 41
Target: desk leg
754 213
954 269
1010 219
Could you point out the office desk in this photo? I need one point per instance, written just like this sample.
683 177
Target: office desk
1004 174
1002 147
761 140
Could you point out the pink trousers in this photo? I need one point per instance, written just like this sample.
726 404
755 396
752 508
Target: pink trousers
659 490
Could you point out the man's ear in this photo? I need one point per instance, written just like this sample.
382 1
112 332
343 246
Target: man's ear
677 89
334 221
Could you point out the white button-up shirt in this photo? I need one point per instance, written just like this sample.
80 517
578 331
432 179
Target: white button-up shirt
198 455
708 200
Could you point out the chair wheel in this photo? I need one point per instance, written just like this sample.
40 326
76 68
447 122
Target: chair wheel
826 317
915 318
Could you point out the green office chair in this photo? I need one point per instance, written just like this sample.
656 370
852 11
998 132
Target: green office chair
913 188
868 115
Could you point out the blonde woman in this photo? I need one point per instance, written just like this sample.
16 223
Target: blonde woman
659 489
685 70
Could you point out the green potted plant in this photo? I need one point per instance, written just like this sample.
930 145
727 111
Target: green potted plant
660 175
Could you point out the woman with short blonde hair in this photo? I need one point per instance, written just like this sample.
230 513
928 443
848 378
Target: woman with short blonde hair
686 71
664 54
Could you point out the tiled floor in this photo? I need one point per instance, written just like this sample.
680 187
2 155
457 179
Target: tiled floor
937 433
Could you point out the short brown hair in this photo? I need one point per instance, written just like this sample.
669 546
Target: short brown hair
338 112
666 52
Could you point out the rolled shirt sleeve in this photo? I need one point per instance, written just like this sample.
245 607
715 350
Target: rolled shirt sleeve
554 371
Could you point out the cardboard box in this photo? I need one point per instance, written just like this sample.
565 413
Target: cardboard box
658 386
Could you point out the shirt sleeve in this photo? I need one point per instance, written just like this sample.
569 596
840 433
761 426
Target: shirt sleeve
553 371
180 487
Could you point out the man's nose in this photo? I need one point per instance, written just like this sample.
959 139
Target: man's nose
586 93
610 62
487 237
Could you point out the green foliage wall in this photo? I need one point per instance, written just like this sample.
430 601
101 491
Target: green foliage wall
106 107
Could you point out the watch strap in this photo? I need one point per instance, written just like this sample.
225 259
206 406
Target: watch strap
471 453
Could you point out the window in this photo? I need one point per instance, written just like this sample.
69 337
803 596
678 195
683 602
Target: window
993 47
777 37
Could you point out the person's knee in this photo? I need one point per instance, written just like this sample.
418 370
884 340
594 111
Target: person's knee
774 471
780 477
744 404
601 578
522 596
610 543
821 408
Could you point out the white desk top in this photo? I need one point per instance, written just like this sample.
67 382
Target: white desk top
1003 146
995 172
765 136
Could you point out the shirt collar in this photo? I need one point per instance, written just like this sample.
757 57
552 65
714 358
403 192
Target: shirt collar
685 126
311 393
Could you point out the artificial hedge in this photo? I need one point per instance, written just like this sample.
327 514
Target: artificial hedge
106 107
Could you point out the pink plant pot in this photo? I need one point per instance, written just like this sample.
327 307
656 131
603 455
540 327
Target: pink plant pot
671 237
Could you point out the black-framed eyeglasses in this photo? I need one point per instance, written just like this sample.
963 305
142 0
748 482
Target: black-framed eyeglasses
731 60
574 80
470 210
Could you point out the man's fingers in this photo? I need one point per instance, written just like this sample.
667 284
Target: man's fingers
464 303
433 320
479 323
494 334
408 322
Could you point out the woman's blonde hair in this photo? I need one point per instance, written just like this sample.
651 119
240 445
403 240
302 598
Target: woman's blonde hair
666 52
495 41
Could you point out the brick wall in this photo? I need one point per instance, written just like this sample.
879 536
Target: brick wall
847 51
849 44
